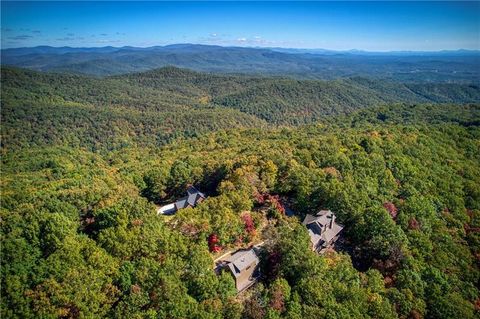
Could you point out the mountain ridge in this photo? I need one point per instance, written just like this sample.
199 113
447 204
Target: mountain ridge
279 49
106 61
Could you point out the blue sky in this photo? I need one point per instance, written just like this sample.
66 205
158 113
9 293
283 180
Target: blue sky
373 26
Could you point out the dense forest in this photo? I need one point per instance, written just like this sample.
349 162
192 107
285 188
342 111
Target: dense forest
85 161
153 107
421 67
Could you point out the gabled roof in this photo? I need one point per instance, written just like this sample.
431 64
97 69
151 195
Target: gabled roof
323 218
308 219
192 190
194 195
181 203
322 228
193 199
332 232
239 261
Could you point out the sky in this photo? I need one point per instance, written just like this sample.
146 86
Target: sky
371 26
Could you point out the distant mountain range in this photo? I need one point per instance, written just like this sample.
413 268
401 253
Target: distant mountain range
460 66
460 52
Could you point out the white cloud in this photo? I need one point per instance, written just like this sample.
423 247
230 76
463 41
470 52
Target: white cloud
242 40
106 41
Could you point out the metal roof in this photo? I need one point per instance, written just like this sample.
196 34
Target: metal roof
167 209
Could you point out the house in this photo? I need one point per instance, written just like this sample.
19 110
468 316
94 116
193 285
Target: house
244 266
194 197
323 229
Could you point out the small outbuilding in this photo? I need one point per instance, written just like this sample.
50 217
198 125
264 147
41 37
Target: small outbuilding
323 229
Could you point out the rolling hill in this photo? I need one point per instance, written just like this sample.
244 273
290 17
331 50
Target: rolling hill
153 107
453 66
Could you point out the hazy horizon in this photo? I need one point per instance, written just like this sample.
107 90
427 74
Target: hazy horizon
337 26
246 47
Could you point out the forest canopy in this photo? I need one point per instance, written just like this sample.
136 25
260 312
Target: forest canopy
86 161
154 107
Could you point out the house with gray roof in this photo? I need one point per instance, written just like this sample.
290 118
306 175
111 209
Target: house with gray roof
244 267
194 197
323 229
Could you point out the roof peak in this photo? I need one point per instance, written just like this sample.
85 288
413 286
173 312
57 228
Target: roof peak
324 212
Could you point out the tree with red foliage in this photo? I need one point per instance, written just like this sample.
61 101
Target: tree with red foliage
279 293
277 300
249 225
213 243
260 198
276 204
413 224
477 304
272 200
391 208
